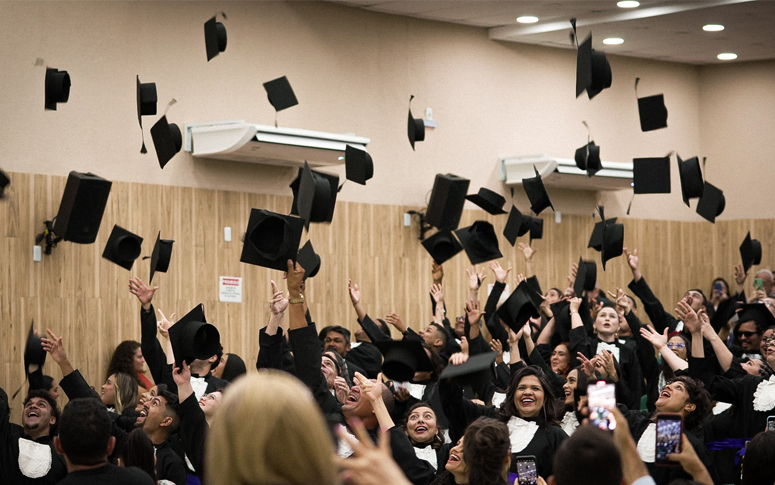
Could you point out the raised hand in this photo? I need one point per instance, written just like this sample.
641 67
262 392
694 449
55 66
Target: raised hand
588 366
437 293
500 273
464 346
688 316
355 292
396 321
527 332
656 339
575 303
437 272
54 346
632 259
294 277
458 358
278 303
497 347
520 278
514 337
401 394
473 312
475 277
607 359
372 390
141 291
341 389
622 302
527 251
164 324
182 374
369 465
740 275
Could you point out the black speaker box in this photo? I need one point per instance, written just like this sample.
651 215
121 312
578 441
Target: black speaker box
447 200
82 206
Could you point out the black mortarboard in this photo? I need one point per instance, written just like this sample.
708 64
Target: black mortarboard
536 193
403 358
712 202
488 200
613 242
309 260
317 196
522 304
726 309
447 200
479 241
295 189
415 127
757 312
586 277
561 313
358 165
651 175
691 178
215 38
442 246
4 181
750 252
193 338
271 239
652 112
33 350
280 93
596 239
146 104
514 227
57 87
122 247
588 158
166 139
160 257
593 72
471 370
536 228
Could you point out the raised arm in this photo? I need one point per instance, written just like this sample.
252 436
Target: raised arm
440 311
475 279
297 309
528 253
659 341
660 319
355 299
277 307
152 351
72 383
723 354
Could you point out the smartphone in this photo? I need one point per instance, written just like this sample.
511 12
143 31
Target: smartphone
718 286
758 284
770 423
601 397
526 470
669 430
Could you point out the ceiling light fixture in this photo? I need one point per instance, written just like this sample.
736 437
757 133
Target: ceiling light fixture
727 56
713 28
628 4
527 19
613 41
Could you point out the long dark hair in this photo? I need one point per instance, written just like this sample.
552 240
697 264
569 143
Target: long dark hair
548 412
123 359
485 447
137 450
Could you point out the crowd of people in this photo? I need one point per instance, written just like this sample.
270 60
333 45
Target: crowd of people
498 395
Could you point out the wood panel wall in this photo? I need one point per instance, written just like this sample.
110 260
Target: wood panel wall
85 298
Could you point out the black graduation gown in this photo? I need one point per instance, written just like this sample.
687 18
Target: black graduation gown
660 319
366 356
274 352
193 432
169 466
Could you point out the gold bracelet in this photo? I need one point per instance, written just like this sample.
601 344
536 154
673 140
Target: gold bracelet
296 301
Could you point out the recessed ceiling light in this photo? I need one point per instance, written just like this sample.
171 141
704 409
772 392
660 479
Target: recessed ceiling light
713 28
727 56
527 19
613 41
628 4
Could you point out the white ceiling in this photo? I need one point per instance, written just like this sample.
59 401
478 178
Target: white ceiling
658 29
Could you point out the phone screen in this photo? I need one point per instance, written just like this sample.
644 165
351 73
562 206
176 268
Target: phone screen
526 470
718 286
669 429
758 284
771 423
601 397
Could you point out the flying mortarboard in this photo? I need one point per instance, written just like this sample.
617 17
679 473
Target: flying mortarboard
586 277
536 193
415 127
712 202
521 305
471 370
280 93
33 350
167 140
612 240
593 72
651 110
294 185
536 228
442 246
271 239
309 260
57 87
317 196
4 181
514 227
691 178
358 164
215 37
447 200
160 257
122 247
725 311
193 338
403 358
651 175
146 104
588 158
488 200
750 252
480 242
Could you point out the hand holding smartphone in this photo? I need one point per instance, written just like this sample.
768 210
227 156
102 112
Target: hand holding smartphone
600 398
758 284
526 470
669 431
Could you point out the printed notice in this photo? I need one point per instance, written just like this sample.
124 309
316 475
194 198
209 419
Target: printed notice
230 289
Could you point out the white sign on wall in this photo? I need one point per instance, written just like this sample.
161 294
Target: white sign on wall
230 289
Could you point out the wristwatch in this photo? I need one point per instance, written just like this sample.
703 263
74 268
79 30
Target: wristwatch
296 301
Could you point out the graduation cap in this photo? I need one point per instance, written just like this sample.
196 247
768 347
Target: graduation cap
725 311
358 165
309 260
480 242
586 277
317 196
757 312
750 252
521 305
403 358
652 112
651 175
415 127
33 350
470 371
691 178
447 200
57 87
271 239
593 72
280 93
122 247
514 227
295 189
146 104
536 228
167 140
596 239
442 246
488 200
160 257
712 202
612 240
215 37
536 193
4 181
588 158
193 338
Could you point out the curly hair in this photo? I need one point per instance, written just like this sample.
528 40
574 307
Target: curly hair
548 412
485 447
698 396
438 438
55 411
123 359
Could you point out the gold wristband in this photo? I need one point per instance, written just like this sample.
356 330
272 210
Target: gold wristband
296 301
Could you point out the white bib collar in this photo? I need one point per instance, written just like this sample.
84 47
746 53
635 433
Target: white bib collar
609 347
647 443
428 454
569 423
764 397
521 433
34 458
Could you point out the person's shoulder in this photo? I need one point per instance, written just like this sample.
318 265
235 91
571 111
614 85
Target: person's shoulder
135 475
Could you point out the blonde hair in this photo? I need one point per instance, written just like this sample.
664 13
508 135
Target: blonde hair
269 429
126 391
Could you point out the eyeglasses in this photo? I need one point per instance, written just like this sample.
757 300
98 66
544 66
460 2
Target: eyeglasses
679 346
210 396
747 334
769 341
